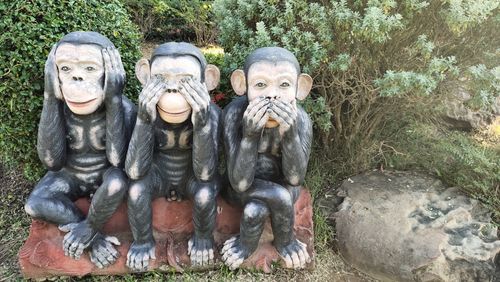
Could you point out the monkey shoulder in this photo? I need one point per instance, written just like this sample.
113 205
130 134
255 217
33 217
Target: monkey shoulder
233 112
303 117
129 113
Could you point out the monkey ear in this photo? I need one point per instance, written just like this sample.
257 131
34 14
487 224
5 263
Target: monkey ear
304 86
212 77
238 81
143 71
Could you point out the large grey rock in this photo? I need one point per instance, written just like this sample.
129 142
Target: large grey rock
406 226
459 116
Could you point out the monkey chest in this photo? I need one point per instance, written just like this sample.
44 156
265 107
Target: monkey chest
270 143
167 139
86 136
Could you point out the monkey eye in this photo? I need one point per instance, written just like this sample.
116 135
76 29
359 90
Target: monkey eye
90 68
260 85
285 84
65 68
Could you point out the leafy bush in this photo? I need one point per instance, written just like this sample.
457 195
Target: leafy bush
29 29
371 61
174 19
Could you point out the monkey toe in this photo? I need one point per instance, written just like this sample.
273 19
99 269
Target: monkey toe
139 255
201 251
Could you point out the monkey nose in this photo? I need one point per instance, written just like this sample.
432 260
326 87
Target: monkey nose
77 78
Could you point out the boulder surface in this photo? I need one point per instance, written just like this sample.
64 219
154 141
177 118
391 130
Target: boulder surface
407 226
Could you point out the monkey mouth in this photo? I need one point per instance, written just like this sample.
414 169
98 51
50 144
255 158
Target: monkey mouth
80 104
174 114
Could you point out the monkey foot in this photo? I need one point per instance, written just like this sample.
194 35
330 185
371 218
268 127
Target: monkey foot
138 255
201 251
295 254
102 252
80 236
233 253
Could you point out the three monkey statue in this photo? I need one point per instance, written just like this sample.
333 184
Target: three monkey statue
95 142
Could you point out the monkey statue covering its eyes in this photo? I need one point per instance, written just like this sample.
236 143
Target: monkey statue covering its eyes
173 152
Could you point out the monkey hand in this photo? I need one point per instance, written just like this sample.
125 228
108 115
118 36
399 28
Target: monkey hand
255 117
102 252
138 255
52 88
295 254
285 114
201 251
114 74
80 235
149 98
196 94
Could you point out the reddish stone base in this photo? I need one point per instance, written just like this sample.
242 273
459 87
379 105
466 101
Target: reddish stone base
42 255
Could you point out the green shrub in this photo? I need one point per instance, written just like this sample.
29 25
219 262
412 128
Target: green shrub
455 157
174 19
29 29
371 61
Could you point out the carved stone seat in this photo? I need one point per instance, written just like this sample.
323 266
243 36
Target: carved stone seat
42 255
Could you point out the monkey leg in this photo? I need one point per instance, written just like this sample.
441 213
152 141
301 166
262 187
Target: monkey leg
240 247
52 199
141 222
201 245
85 233
280 202
104 203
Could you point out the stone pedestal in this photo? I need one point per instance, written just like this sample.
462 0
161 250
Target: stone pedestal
42 256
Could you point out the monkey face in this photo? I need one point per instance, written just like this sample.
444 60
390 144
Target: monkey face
172 106
273 81
81 75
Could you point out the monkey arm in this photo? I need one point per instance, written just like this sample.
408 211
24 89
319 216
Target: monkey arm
205 146
140 150
51 143
296 148
241 152
116 143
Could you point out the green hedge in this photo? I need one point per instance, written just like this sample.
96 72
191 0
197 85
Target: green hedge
29 29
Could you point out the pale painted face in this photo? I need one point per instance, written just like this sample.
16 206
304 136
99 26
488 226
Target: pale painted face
172 106
81 74
275 81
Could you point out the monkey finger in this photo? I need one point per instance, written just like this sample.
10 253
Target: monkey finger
152 253
277 118
119 62
108 65
199 88
67 227
288 108
187 96
256 108
195 95
95 261
112 56
278 112
113 240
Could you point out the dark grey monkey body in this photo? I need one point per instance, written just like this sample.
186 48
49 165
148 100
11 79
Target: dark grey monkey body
83 137
173 160
264 173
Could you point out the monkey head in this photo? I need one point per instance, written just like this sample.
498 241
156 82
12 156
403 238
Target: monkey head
174 61
274 73
80 67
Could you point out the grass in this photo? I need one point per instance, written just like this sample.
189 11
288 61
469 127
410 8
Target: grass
14 225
